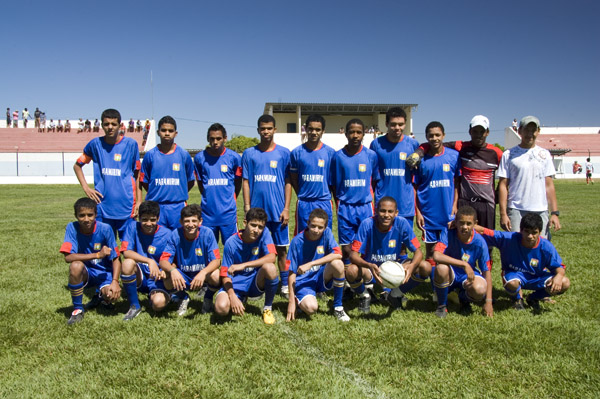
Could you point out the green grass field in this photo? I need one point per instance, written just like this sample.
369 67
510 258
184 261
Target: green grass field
384 355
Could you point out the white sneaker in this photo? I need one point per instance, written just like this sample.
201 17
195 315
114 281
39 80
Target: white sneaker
285 291
341 315
183 306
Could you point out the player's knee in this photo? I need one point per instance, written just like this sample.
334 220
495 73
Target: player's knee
128 266
566 283
309 305
424 269
159 301
222 305
477 290
351 271
442 273
338 267
512 285
76 269
213 279
270 270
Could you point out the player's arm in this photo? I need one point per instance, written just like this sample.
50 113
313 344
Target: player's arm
440 257
89 192
552 203
455 199
103 253
114 289
237 183
294 181
503 202
284 218
557 281
268 258
171 271
246 194
237 307
488 307
291 310
418 215
317 262
198 280
413 264
155 271
138 192
356 258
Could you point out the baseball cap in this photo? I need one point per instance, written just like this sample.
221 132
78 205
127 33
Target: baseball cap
529 119
480 120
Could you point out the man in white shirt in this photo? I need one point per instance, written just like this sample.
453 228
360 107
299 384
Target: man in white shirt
526 184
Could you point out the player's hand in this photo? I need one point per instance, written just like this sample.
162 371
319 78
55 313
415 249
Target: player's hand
284 218
246 208
136 209
469 272
198 281
413 161
237 307
420 222
488 309
554 222
304 268
556 284
114 291
505 223
177 280
93 194
154 270
231 270
104 252
408 268
375 271
452 224
291 311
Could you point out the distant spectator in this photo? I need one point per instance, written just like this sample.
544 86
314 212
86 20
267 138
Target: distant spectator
577 168
42 127
589 169
96 126
80 125
515 125
122 129
16 118
51 126
8 117
67 126
138 126
131 125
412 135
59 126
147 128
37 114
26 116
87 126
341 131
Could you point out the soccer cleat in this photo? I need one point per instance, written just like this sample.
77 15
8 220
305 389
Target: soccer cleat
268 317
364 305
202 291
533 303
441 312
183 306
341 315
132 313
285 291
397 302
97 301
207 305
518 304
465 308
76 317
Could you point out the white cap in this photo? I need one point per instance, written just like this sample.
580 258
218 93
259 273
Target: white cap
529 119
480 120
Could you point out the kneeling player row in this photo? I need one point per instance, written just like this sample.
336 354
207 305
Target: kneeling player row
165 264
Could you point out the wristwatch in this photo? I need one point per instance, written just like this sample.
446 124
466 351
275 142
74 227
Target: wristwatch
557 213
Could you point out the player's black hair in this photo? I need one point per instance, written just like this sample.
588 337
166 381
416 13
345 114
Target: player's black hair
167 119
354 121
394 112
216 127
531 221
588 159
318 213
388 199
84 202
466 210
315 118
149 208
191 210
266 119
433 124
111 113
256 214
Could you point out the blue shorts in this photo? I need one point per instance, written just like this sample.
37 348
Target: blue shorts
313 285
433 236
118 225
350 217
225 230
459 277
148 285
303 210
280 234
170 215
245 289
98 278
528 281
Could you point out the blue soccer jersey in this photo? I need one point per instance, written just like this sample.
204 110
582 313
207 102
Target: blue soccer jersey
377 247
475 252
78 243
352 175
266 172
312 168
396 179
237 252
217 178
167 175
434 181
147 245
191 256
303 250
114 167
515 257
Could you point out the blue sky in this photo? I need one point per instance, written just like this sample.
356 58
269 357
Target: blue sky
222 61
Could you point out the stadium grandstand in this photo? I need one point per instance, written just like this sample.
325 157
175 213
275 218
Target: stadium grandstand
567 145
30 156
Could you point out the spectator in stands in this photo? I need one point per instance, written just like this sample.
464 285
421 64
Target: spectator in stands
26 116
81 125
515 125
42 127
577 168
67 126
37 115
138 126
87 126
8 117
16 118
51 126
59 126
96 125
131 125
146 128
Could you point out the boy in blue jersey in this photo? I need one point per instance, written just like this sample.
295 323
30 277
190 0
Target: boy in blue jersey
463 264
168 174
219 174
91 251
191 258
436 190
315 266
380 239
309 173
354 173
142 245
116 166
248 268
266 184
529 262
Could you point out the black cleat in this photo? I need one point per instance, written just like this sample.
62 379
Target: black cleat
441 311
76 317
533 303
132 313
518 304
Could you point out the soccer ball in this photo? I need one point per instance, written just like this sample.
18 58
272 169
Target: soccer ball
392 274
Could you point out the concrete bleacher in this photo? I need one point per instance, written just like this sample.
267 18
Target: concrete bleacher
580 145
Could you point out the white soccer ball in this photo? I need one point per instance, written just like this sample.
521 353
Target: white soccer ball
392 274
